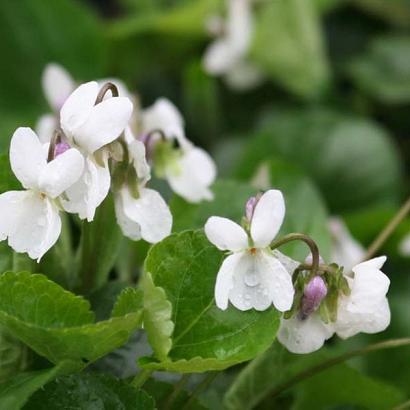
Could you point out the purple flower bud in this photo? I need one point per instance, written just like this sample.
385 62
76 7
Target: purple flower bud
250 207
315 291
60 148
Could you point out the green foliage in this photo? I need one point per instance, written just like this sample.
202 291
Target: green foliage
60 326
340 384
383 72
89 390
183 268
296 56
343 155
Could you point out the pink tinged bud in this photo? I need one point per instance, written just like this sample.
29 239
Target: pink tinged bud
309 260
250 207
60 148
315 291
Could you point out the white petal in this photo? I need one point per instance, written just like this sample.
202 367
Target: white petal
239 26
121 87
89 191
57 85
77 107
27 157
224 280
288 263
346 251
62 172
304 336
106 121
404 246
243 76
128 227
219 57
193 175
259 281
30 221
267 218
45 127
226 234
150 211
136 151
165 116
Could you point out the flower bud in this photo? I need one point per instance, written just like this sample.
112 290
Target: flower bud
315 291
60 148
309 260
251 205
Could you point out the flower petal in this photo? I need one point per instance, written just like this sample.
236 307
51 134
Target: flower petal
304 336
62 172
129 228
196 171
150 212
29 221
136 151
57 85
45 127
267 218
89 191
219 57
224 280
77 107
226 234
105 123
164 115
27 157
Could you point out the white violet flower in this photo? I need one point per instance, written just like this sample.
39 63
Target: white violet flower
89 127
365 309
252 276
228 54
30 219
189 170
141 212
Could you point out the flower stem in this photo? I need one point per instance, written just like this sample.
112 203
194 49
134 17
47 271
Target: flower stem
388 230
314 250
209 378
177 389
139 380
311 371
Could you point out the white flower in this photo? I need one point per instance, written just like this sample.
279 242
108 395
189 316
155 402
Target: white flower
192 171
346 251
90 127
252 277
57 86
30 219
142 214
404 246
228 55
365 310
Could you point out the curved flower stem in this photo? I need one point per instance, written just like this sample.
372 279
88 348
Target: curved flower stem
56 139
388 230
306 374
314 250
104 89
139 380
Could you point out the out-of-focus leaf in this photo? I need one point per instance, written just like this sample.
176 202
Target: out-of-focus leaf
339 384
352 160
288 46
384 70
184 267
396 12
90 391
15 392
57 324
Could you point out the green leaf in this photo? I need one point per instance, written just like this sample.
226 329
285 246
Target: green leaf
184 268
15 392
90 391
129 301
383 71
229 201
352 160
337 385
57 324
288 45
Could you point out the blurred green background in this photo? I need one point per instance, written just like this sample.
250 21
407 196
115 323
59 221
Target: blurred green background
335 105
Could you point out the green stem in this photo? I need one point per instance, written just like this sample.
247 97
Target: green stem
139 380
314 250
403 406
210 377
86 271
177 389
388 230
312 371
